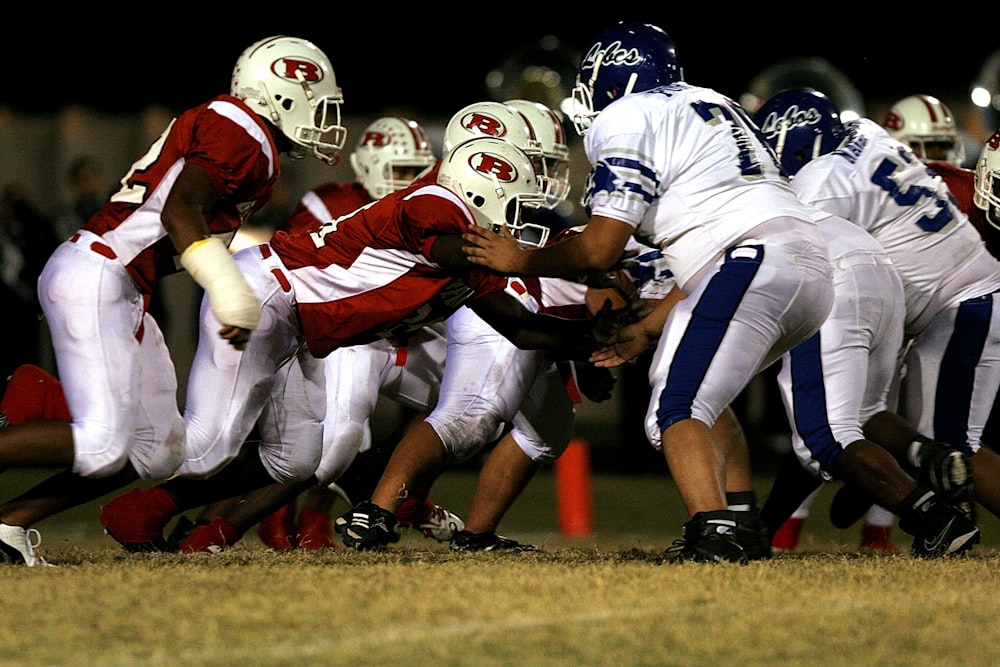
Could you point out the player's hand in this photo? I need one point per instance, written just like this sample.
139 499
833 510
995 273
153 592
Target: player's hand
609 322
500 252
631 342
237 336
593 382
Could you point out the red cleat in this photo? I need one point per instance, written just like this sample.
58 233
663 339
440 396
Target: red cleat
316 530
212 538
136 519
277 531
877 538
432 520
786 538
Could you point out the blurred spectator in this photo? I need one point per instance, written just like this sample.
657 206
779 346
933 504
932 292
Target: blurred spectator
86 195
26 241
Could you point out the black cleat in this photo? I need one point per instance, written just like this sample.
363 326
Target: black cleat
367 526
709 537
466 541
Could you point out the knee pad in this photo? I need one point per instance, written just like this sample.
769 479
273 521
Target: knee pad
102 463
540 451
339 451
467 435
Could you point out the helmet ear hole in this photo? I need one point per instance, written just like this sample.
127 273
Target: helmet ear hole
491 177
293 86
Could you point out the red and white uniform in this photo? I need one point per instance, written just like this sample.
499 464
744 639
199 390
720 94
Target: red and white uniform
488 378
356 279
961 183
115 369
326 202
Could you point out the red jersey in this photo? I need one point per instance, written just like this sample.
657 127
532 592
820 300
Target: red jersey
326 202
234 147
961 183
370 274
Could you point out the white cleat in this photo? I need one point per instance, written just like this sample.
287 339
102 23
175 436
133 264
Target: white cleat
17 546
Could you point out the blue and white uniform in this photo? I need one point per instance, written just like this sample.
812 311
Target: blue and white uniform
690 172
835 381
950 280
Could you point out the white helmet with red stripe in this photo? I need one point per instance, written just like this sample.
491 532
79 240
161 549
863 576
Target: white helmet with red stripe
492 119
496 180
925 124
986 193
290 82
553 177
392 152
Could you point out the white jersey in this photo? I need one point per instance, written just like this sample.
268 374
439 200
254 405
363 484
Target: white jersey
878 184
691 173
662 158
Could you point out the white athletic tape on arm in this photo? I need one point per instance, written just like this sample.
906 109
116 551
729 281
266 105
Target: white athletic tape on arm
210 264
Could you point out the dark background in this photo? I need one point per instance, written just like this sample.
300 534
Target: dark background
437 61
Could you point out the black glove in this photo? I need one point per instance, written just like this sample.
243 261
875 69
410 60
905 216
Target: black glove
608 322
594 382
600 279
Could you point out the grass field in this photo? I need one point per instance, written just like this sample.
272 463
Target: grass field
607 599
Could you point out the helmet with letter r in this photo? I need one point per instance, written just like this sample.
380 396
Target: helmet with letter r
926 124
496 181
391 152
553 167
290 82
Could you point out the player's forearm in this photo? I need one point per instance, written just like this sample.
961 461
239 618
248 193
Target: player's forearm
562 338
568 259
652 325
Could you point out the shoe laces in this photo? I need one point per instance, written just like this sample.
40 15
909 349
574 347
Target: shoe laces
676 547
438 514
32 540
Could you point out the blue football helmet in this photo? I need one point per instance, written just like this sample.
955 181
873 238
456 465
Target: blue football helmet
625 58
800 124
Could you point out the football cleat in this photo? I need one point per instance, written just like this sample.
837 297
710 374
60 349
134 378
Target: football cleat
136 519
708 537
432 520
367 526
17 546
467 541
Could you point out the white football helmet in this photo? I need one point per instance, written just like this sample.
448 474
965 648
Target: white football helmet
290 82
925 124
496 180
553 179
492 119
392 151
986 193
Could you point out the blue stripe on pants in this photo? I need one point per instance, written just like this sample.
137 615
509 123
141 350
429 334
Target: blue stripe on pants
709 322
953 394
812 422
